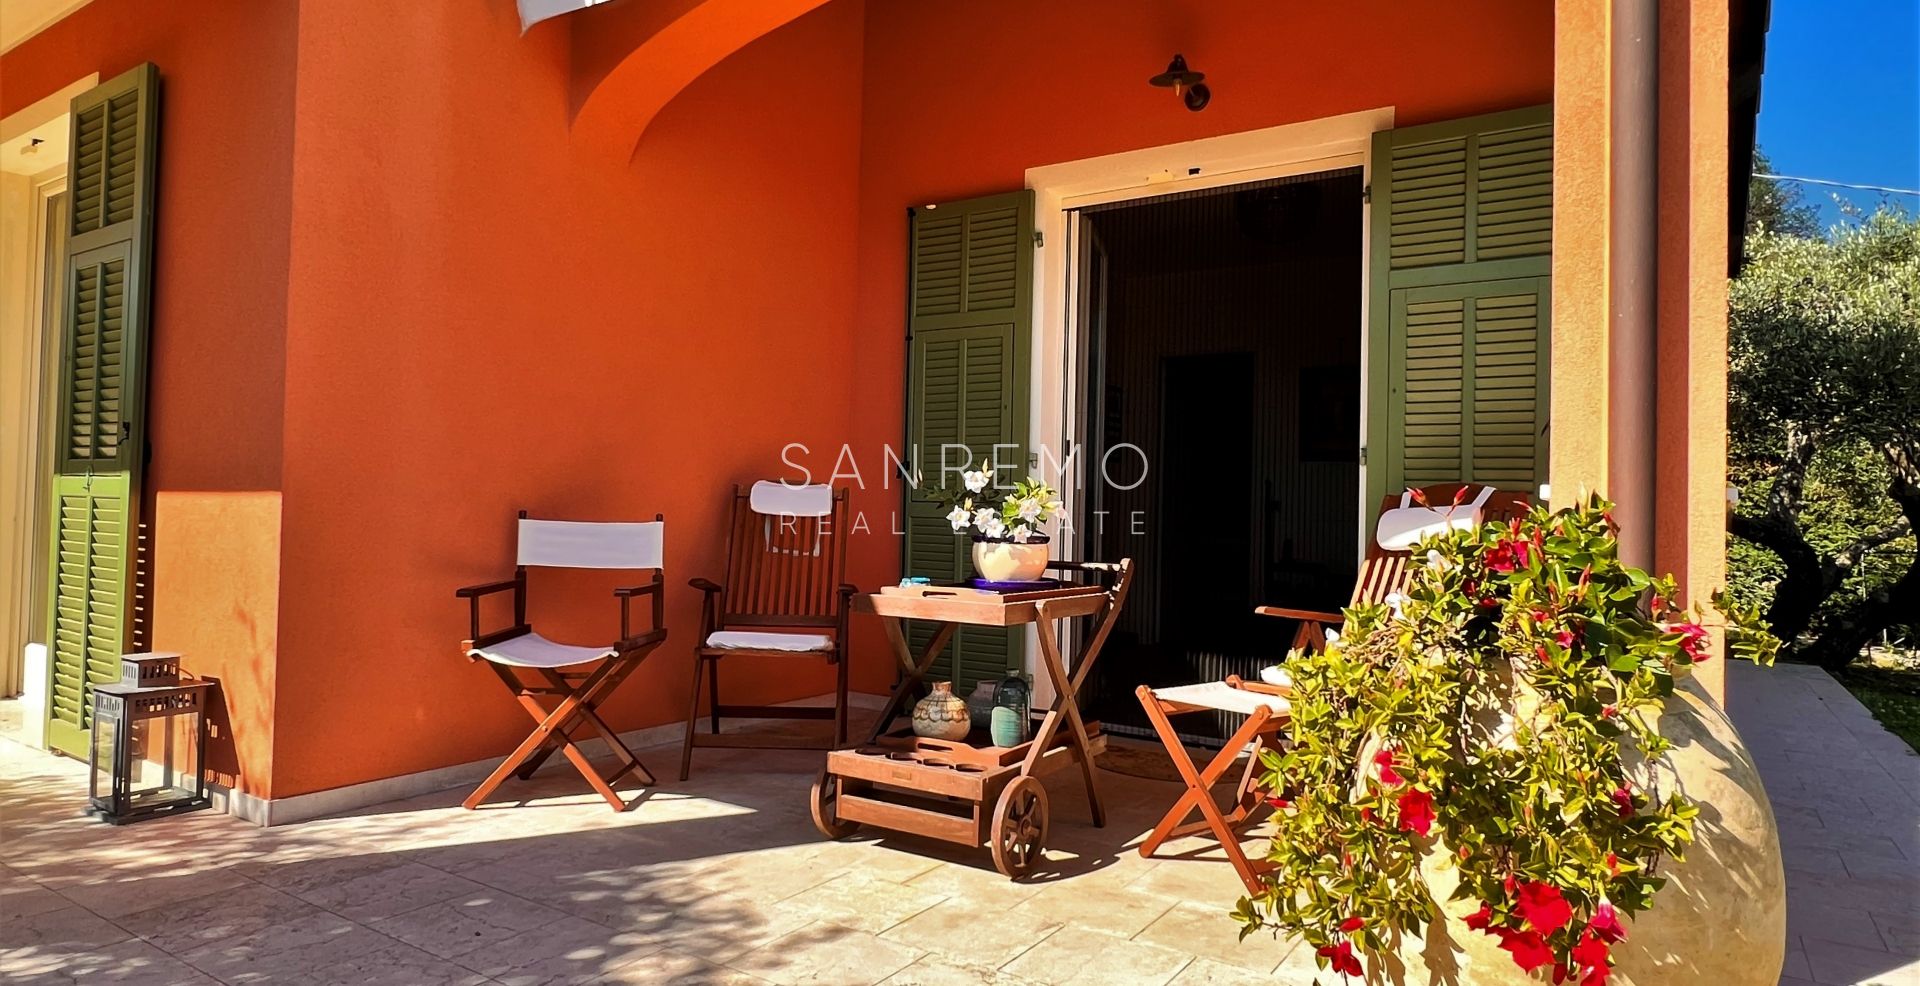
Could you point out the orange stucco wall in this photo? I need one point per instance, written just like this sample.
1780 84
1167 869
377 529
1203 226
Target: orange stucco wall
1038 84
398 299
485 316
219 314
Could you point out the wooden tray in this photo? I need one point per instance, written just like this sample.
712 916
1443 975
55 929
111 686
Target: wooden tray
979 607
965 592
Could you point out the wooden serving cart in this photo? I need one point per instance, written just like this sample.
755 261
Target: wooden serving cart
974 793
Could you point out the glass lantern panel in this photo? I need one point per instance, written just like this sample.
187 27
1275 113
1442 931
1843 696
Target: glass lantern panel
105 730
161 759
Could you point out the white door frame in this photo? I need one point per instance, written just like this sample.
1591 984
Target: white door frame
1326 144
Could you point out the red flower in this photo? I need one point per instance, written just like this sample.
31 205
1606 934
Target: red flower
1479 919
1528 948
1509 884
1542 907
1460 495
1564 638
1341 958
1466 853
1366 814
1416 811
1613 864
1693 640
1591 958
1419 496
1606 922
1500 557
1623 798
1277 802
1608 712
1385 761
1352 924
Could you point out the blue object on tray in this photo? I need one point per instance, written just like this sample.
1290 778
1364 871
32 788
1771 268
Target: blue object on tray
990 586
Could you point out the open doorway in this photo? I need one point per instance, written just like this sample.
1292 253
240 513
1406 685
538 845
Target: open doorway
1222 394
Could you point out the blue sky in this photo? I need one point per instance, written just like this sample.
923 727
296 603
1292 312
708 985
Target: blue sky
1841 96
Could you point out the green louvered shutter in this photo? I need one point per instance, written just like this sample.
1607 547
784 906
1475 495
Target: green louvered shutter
969 331
102 435
1461 257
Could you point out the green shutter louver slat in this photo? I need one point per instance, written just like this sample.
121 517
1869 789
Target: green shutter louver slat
1513 201
970 325
100 430
1462 220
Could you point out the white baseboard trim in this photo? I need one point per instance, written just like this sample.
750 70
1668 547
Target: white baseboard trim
334 801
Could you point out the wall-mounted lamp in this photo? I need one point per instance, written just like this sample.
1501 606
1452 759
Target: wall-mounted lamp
1185 83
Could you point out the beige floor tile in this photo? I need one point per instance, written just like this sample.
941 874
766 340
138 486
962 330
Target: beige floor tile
860 902
455 927
1099 907
1208 932
1074 956
976 882
124 896
1211 881
670 968
1207 972
570 950
26 897
183 926
934 970
827 954
132 963
299 873
386 892
67 925
972 932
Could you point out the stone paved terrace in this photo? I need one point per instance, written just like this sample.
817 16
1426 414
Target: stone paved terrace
723 880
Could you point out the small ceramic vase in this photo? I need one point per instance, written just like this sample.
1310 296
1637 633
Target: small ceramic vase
1010 561
942 715
980 701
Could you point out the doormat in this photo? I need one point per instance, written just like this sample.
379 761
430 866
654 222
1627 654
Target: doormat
1149 760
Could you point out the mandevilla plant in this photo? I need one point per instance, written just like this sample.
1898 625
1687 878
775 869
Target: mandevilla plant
1490 714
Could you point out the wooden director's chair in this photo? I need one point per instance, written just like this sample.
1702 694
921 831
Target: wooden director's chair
1384 570
1266 708
783 597
574 679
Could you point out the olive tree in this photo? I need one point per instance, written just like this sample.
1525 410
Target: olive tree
1824 378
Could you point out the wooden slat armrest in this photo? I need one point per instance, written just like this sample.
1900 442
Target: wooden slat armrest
704 585
630 591
485 588
1299 614
648 639
626 593
847 589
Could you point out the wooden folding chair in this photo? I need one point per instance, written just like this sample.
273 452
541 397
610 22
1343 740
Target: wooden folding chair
1266 708
562 685
783 597
1384 572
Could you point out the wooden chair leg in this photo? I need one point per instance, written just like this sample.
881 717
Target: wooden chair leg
713 692
840 705
693 717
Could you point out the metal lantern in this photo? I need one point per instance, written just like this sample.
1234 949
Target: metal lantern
149 741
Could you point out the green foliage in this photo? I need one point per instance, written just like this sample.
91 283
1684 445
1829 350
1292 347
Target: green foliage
996 512
1776 206
1483 715
1824 425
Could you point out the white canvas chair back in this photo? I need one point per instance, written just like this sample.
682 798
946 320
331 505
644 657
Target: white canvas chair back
781 506
1404 526
586 544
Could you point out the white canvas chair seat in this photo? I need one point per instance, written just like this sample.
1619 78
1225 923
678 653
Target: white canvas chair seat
1220 696
799 643
530 650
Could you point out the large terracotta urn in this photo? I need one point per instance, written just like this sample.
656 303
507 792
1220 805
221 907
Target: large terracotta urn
1720 920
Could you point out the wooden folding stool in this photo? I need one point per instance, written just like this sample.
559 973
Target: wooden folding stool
561 685
1265 707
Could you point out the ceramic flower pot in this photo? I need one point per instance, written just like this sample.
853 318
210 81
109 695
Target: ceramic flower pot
1722 917
1010 561
942 715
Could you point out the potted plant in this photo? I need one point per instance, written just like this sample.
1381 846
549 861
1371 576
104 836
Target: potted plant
1492 779
1006 522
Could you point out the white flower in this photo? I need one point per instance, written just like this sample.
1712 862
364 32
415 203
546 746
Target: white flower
1022 534
958 518
1030 509
1435 561
977 481
989 523
1397 603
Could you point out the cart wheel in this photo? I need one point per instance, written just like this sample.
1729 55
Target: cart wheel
1019 826
825 818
